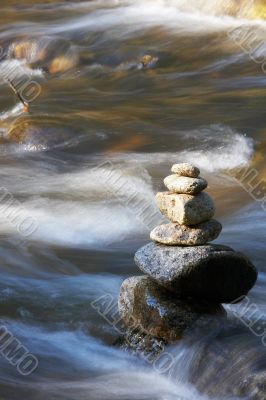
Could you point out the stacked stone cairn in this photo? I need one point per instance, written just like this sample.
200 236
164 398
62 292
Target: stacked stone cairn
186 278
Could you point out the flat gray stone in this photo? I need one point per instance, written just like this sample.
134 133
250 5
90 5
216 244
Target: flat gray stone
148 307
182 235
185 185
186 209
212 272
185 169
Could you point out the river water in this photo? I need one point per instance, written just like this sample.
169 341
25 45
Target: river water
82 169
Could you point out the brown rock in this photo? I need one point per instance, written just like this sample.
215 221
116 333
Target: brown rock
63 63
146 306
56 55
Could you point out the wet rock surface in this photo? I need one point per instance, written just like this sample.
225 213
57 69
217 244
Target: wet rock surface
220 357
146 306
212 272
230 361
52 54
41 133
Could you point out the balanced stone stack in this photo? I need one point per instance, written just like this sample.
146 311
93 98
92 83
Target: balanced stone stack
186 277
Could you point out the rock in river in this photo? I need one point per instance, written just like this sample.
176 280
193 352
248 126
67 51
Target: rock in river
186 209
42 132
182 235
53 54
185 185
212 272
145 305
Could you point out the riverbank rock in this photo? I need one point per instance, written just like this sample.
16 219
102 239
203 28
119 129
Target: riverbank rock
186 209
185 185
182 235
212 272
185 169
146 306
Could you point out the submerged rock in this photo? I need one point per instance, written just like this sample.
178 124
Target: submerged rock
63 63
229 361
147 61
143 63
182 235
25 50
54 55
185 185
212 272
146 306
254 386
186 209
185 169
41 133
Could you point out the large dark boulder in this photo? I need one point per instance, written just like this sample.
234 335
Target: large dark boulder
212 272
148 307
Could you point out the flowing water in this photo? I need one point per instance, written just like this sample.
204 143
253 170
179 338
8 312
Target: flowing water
81 169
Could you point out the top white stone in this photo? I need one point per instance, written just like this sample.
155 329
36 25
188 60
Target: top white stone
186 169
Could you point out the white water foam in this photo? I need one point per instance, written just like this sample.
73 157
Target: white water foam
229 156
119 375
13 112
218 148
176 15
84 208
15 69
104 205
133 385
